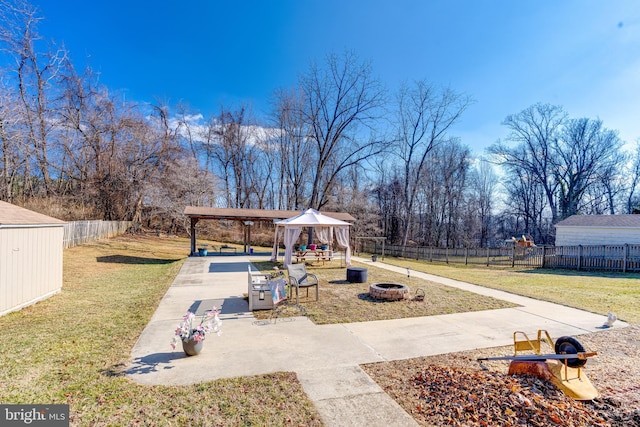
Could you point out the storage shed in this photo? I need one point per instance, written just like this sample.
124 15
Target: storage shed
30 257
598 230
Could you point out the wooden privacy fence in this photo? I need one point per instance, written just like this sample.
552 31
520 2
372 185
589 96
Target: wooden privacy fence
78 232
604 257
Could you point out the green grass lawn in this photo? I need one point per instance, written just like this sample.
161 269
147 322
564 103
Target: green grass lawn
598 292
72 349
344 302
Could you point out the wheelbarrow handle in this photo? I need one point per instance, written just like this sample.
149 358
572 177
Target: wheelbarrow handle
581 356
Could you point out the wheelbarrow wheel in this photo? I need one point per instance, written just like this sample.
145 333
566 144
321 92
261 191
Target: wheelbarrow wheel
570 345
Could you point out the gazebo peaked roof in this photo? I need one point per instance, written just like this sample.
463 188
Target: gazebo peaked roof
313 218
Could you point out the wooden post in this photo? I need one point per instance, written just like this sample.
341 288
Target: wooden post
513 256
624 259
579 256
194 221
544 255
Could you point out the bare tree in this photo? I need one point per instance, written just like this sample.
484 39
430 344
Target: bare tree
534 131
12 149
425 115
525 202
36 73
229 151
341 100
632 201
483 185
295 149
584 153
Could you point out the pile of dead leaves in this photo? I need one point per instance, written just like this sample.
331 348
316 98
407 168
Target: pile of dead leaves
465 397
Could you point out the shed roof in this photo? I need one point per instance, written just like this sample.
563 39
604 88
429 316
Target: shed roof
617 221
16 215
252 214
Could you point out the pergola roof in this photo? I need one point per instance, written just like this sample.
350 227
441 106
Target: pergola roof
196 213
199 212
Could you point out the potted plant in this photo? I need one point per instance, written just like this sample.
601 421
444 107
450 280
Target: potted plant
192 337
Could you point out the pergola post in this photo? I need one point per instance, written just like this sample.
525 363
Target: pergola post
194 221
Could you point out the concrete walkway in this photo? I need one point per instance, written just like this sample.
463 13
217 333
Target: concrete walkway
326 357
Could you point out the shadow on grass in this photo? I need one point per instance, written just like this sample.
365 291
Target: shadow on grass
127 259
366 296
339 282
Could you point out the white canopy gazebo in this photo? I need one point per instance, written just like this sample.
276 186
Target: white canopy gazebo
324 229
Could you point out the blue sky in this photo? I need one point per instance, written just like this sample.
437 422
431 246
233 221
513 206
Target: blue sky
507 55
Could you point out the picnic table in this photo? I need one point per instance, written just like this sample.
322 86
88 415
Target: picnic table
318 255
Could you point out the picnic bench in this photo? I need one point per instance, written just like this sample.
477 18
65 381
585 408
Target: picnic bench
228 248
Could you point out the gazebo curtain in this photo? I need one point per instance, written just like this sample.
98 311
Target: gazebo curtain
290 236
324 234
276 242
342 237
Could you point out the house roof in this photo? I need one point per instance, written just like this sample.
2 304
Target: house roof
252 214
16 215
606 221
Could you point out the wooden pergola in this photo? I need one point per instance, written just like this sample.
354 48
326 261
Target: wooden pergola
247 216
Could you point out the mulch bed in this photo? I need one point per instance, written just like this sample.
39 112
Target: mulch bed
454 389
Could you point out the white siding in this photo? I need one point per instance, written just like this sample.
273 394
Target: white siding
575 235
30 265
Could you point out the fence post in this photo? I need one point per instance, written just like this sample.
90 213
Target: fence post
624 259
544 255
579 256
446 254
487 256
513 256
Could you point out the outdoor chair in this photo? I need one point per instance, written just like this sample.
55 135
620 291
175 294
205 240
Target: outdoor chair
299 278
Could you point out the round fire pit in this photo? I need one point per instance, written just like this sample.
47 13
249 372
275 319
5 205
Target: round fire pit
389 291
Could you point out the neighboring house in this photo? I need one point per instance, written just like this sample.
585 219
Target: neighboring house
30 257
598 230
